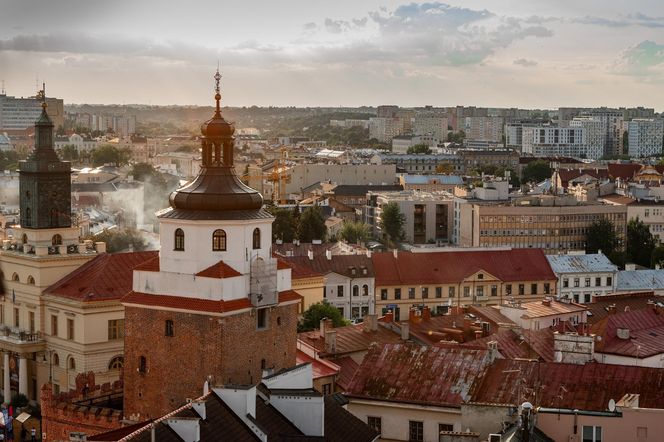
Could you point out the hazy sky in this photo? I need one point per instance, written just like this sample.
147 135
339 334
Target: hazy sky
526 53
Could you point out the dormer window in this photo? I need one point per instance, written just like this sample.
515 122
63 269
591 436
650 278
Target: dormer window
219 241
257 238
179 240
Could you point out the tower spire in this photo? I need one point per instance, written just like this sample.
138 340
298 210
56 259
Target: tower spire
217 89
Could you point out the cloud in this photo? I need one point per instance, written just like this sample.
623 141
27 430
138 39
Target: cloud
622 21
646 59
311 26
525 62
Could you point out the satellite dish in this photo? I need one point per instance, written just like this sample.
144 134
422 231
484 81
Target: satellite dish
612 405
558 356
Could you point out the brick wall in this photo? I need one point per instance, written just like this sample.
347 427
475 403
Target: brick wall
229 349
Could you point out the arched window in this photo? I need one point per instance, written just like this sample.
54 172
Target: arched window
116 363
179 240
257 238
15 277
365 290
219 241
56 360
356 290
31 280
24 239
56 240
72 363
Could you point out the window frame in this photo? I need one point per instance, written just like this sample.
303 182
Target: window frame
178 237
219 240
415 431
256 239
169 328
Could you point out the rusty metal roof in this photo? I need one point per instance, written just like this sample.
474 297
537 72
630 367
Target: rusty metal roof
598 309
595 262
435 375
646 333
540 309
351 338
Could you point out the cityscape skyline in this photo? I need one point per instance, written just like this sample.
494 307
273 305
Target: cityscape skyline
533 55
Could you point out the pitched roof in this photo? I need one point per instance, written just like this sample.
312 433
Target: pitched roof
300 249
340 264
567 175
342 426
362 189
491 314
454 267
641 280
598 309
585 387
596 262
219 270
321 367
108 276
348 368
351 338
524 344
434 375
540 309
623 171
646 333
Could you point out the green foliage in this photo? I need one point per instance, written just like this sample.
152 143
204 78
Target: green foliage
354 232
311 225
312 316
284 225
536 171
108 154
68 152
8 160
640 242
392 222
447 168
601 235
499 171
456 137
122 240
419 148
317 127
657 258
19 401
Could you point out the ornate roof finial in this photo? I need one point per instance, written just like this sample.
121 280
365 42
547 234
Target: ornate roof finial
217 95
43 96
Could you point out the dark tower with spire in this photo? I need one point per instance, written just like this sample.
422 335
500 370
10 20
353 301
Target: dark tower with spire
44 181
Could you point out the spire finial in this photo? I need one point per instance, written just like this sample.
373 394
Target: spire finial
43 96
217 95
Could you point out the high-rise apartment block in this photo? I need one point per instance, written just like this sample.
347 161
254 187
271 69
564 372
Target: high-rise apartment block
486 129
554 141
435 125
645 137
21 113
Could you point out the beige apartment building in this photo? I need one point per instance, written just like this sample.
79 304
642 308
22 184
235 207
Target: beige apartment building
541 222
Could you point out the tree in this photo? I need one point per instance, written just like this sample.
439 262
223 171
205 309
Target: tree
601 235
283 226
122 240
354 232
69 152
108 154
311 225
419 148
312 316
657 258
536 171
392 222
456 137
446 168
640 242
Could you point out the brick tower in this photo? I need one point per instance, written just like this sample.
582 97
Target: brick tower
215 305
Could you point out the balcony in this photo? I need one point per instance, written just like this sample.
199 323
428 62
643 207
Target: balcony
19 340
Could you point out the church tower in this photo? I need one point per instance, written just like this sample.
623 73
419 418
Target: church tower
215 305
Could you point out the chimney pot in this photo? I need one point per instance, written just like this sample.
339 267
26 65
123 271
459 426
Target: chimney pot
405 331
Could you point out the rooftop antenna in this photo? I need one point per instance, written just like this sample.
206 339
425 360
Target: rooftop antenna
3 88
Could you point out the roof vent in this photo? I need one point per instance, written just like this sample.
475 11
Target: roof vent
622 333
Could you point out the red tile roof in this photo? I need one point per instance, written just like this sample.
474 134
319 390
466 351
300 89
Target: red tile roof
321 367
108 276
567 175
151 265
583 387
341 264
351 338
348 369
299 271
433 375
454 267
491 314
458 328
219 270
646 333
525 344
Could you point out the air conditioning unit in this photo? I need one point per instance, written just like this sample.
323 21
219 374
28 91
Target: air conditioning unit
495 437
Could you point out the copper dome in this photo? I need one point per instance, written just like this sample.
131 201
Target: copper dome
217 126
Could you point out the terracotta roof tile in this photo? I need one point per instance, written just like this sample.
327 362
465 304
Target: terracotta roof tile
219 270
151 265
454 267
340 264
108 276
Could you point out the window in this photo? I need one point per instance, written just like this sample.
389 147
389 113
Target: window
383 294
609 281
439 292
219 241
425 292
169 328
70 329
142 364
416 431
565 282
508 289
365 290
72 363
31 320
494 290
522 289
586 298
115 329
340 291
56 240
116 363
450 292
466 292
397 293
576 282
375 423
327 389
261 318
31 280
411 292
479 291
28 217
15 277
179 240
533 289
257 238
592 434
587 282
356 290
547 288
445 427
598 282
17 317
56 360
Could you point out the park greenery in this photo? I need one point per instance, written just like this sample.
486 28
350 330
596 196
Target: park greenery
321 310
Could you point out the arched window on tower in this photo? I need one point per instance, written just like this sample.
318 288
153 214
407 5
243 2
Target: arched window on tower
219 241
56 240
179 240
257 238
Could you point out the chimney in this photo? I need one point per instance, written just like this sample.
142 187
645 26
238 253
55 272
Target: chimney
310 254
467 322
405 331
492 346
623 333
368 253
389 316
478 334
328 254
396 253
370 323
100 247
612 309
546 302
330 341
325 325
426 313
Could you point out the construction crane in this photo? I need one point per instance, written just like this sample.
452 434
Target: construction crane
279 177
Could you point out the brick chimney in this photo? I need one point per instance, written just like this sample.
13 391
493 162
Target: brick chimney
414 315
546 302
426 313
331 341
389 316
651 305
612 309
370 323
478 334
325 325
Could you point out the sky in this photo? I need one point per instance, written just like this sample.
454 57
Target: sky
495 53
